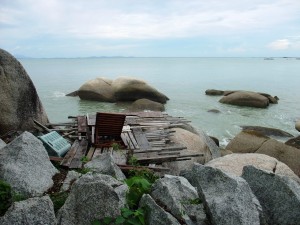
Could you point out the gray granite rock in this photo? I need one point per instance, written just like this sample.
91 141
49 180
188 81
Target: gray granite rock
278 195
2 143
227 199
105 164
33 211
71 177
156 214
176 194
92 197
25 165
20 103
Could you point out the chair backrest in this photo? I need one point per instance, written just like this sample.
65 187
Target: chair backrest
109 124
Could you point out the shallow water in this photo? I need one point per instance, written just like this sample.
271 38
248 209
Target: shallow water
184 81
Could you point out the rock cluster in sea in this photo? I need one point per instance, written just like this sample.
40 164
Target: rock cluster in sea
123 89
238 188
244 98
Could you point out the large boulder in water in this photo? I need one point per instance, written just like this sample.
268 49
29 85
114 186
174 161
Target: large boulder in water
131 89
246 98
297 125
20 103
25 165
98 89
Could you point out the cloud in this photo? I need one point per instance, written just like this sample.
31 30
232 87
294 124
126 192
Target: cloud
292 43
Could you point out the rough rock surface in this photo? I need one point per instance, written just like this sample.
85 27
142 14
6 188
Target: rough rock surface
234 164
278 195
249 142
294 142
98 89
268 131
196 144
146 104
214 92
2 143
156 214
25 165
20 103
227 199
246 98
130 89
176 194
92 197
71 177
38 210
297 125
105 164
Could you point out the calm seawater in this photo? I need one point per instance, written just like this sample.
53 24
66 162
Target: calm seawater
184 81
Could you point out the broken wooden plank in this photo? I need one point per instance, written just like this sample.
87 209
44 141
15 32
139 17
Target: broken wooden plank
81 150
82 124
129 167
90 153
140 138
157 160
42 126
55 158
70 154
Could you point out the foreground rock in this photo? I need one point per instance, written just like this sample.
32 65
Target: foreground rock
31 211
227 199
93 197
235 163
2 143
246 98
196 144
176 194
120 89
25 165
20 103
146 104
105 164
278 195
251 142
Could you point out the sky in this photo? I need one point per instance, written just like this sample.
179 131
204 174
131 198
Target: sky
150 28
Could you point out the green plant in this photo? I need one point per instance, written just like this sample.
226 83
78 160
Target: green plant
195 201
144 173
83 170
17 197
84 159
116 146
5 197
59 199
133 161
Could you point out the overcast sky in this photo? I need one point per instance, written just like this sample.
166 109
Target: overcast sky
188 28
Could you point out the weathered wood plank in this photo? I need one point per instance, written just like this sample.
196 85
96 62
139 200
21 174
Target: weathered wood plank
76 161
140 138
134 142
82 124
70 154
157 160
90 153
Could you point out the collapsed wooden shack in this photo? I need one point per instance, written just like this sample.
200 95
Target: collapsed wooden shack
144 139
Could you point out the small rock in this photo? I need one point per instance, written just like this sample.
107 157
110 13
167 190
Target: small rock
2 143
71 177
105 164
297 125
214 111
146 104
214 92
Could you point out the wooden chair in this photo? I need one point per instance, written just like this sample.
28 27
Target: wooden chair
108 129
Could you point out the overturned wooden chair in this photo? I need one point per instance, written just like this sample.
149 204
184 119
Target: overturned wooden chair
108 129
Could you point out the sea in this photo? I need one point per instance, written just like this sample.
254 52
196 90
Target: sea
184 81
